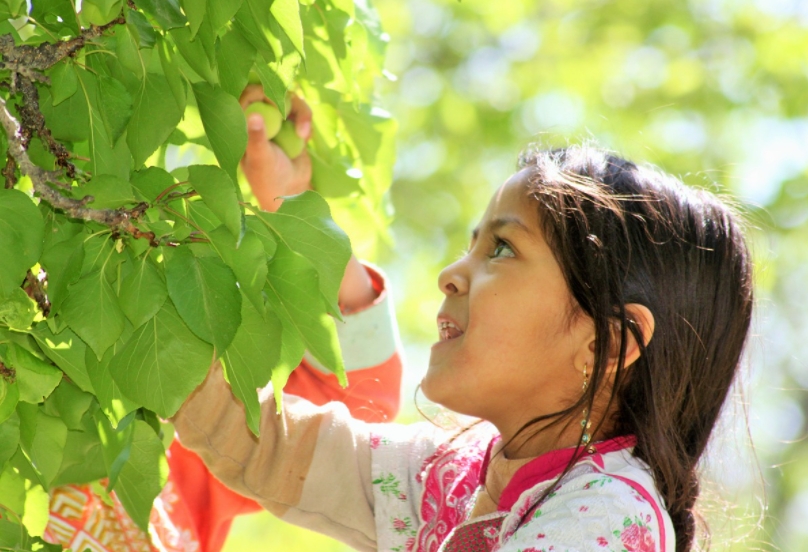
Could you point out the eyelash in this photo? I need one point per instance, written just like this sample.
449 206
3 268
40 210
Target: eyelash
499 242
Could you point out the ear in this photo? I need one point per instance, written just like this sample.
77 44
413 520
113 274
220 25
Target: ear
639 316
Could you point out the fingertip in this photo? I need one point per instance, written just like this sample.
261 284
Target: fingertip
303 129
255 123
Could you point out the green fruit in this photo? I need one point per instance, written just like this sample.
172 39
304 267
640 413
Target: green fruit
288 140
271 114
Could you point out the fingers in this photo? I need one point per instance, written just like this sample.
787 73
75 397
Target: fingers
256 137
253 93
301 115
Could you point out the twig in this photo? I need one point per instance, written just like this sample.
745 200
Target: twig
9 171
37 293
7 373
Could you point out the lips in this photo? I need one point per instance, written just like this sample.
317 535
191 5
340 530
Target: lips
448 329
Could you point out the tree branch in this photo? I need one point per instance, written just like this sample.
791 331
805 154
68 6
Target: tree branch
119 219
26 60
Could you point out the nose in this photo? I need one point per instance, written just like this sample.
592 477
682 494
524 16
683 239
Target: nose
453 279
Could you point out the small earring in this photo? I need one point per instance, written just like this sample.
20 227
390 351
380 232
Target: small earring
585 423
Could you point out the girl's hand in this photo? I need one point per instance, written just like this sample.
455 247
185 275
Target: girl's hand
271 174
268 169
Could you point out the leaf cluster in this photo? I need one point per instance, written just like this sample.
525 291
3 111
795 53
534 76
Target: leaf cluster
134 268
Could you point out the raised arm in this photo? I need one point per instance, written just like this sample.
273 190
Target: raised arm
311 465
271 175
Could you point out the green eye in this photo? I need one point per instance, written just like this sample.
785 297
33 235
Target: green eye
502 249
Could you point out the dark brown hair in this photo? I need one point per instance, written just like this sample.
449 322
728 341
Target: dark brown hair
626 234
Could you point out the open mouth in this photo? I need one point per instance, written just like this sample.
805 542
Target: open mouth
448 330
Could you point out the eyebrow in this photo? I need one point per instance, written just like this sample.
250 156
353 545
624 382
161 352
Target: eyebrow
501 222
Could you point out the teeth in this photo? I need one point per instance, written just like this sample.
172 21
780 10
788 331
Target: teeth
448 330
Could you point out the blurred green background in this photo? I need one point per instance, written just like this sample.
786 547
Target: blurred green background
713 91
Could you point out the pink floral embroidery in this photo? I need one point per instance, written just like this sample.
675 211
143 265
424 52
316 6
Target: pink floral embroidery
540 536
637 538
603 542
375 441
450 482
399 525
410 544
583 509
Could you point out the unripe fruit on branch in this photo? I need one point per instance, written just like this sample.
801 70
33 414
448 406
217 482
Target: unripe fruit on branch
271 115
288 140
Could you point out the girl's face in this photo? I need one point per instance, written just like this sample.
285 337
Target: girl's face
511 347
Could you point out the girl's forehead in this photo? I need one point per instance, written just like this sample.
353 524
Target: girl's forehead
512 198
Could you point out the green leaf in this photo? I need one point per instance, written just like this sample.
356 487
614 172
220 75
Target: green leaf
69 404
63 262
220 12
67 351
174 76
248 262
115 106
100 12
293 293
205 293
150 182
109 107
142 292
17 310
110 192
144 474
166 12
92 311
12 489
13 8
9 437
218 191
115 405
68 121
203 216
274 87
292 350
64 81
161 363
58 16
224 124
195 10
21 235
304 225
42 439
156 114
83 460
332 175
193 51
147 36
234 59
36 379
35 518
116 446
9 397
287 14
250 358
100 253
263 232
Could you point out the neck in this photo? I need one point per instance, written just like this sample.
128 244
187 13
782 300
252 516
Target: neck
545 436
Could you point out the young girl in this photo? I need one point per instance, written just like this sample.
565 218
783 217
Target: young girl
594 326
